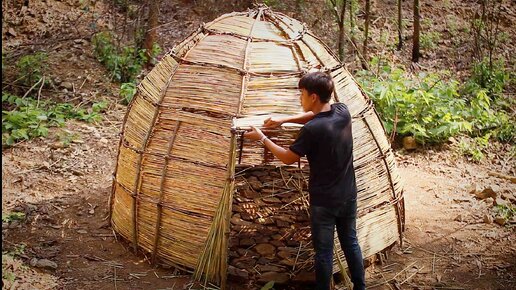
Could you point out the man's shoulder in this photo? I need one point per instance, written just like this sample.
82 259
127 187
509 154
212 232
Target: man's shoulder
339 105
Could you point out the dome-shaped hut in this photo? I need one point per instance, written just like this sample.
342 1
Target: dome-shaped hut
181 141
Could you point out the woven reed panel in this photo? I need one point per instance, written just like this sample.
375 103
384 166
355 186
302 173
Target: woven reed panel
173 181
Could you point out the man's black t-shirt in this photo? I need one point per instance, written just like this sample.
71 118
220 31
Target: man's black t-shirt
327 142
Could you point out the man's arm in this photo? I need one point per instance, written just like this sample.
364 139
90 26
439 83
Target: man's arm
299 119
285 155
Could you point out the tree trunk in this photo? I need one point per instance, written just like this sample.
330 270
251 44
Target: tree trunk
351 22
415 42
366 29
400 39
151 31
342 43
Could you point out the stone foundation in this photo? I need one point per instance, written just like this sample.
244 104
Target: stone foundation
270 229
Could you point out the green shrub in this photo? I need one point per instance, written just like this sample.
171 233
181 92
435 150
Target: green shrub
12 216
430 39
127 92
491 77
31 67
124 63
430 108
474 148
28 120
505 211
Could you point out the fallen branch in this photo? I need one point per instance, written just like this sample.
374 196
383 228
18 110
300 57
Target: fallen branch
31 88
503 176
39 91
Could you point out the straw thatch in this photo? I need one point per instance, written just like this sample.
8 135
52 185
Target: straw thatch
182 136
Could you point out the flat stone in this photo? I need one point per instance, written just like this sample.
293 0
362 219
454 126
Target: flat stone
249 193
268 268
262 239
265 260
265 249
247 216
288 262
244 262
236 220
277 243
255 183
282 224
43 263
247 242
304 277
284 254
240 273
259 173
274 276
271 200
67 85
265 221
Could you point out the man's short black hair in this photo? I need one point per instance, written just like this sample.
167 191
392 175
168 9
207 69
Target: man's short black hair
318 83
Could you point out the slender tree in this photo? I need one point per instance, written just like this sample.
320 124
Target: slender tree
400 39
352 21
415 38
339 11
151 31
366 28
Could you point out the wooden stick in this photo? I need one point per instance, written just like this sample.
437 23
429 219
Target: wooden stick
31 88
39 91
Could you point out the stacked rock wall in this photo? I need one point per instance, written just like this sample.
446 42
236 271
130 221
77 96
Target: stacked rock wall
270 228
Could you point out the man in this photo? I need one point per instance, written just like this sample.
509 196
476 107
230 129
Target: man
327 142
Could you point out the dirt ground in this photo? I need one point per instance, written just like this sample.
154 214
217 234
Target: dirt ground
62 183
64 195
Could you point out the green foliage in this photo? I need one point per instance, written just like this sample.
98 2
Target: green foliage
474 148
506 211
31 67
19 249
28 119
430 39
430 108
66 137
12 216
268 286
127 92
493 77
123 63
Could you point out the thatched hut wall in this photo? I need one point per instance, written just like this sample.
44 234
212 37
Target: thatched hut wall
181 138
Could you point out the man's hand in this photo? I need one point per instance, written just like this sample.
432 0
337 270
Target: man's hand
272 123
255 134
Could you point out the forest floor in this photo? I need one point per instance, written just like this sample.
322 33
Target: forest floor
62 184
450 242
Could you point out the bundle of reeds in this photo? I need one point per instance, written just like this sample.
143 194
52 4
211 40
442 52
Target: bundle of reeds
182 135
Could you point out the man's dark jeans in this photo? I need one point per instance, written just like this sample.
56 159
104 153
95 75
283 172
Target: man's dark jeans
323 222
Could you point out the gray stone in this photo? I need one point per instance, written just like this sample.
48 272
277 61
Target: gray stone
43 263
67 85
